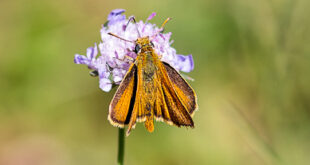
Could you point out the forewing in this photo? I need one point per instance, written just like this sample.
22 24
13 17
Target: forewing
137 114
185 93
124 98
169 106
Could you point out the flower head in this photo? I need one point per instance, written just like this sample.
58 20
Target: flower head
112 63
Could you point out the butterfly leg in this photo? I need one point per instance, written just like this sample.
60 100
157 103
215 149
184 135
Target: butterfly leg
129 58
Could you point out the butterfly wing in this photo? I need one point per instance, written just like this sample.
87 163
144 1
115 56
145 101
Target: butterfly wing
182 89
170 105
124 98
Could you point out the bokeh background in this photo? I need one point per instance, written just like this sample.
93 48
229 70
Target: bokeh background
252 68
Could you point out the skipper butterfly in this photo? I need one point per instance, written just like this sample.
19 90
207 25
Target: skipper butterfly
151 89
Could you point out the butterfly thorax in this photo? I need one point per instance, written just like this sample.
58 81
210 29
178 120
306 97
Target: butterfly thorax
147 61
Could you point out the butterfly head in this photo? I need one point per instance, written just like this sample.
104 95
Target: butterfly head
143 44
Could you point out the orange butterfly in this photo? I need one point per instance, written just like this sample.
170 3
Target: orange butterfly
151 89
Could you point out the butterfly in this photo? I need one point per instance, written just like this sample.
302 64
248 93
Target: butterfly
151 89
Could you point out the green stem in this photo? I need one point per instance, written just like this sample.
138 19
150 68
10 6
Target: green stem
121 144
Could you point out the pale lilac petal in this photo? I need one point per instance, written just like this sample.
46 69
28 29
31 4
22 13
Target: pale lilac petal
117 79
116 16
151 16
103 73
185 63
118 75
81 59
105 84
148 19
116 12
89 52
92 52
89 59
103 70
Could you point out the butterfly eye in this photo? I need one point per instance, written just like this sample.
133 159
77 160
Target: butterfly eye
152 44
137 48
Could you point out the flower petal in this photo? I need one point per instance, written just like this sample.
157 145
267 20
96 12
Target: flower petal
92 52
116 16
80 59
151 16
185 63
118 75
105 84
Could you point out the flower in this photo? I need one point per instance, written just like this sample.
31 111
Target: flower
90 59
114 59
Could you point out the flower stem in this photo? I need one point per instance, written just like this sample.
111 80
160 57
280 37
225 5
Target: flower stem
121 146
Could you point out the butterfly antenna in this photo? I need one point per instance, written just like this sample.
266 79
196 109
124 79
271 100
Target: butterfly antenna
114 35
161 28
132 18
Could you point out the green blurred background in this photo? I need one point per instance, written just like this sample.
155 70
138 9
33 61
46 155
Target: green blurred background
252 67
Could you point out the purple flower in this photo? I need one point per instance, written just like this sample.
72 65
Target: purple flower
90 59
98 64
185 63
115 54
